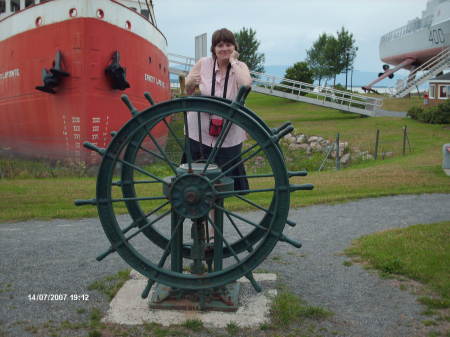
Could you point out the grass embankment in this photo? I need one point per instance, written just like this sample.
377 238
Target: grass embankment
421 253
417 172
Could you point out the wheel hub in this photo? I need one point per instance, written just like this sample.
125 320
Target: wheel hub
192 196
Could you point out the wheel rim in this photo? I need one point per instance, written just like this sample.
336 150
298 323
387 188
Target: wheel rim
138 214
264 236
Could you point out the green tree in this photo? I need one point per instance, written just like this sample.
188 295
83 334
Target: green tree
316 58
248 49
298 72
347 51
330 56
334 60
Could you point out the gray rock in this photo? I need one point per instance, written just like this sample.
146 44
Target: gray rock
301 139
290 139
316 147
305 147
345 159
343 145
294 146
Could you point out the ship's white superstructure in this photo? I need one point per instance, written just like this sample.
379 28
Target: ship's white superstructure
421 38
421 46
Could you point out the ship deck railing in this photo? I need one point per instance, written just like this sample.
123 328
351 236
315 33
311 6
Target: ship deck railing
10 7
409 28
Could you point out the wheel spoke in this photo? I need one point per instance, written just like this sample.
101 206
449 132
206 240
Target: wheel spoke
166 252
223 133
141 170
233 193
133 182
224 240
279 236
132 199
253 204
136 222
156 155
114 248
240 155
146 226
235 165
289 222
199 126
253 176
173 134
161 150
237 216
249 245
187 147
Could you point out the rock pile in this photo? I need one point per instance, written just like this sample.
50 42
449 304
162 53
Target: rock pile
308 145
311 144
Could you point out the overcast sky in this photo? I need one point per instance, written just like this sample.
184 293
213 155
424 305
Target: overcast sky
286 28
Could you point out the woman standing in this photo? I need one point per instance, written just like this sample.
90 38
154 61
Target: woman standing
221 75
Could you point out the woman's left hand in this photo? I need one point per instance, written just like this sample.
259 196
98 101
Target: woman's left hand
234 56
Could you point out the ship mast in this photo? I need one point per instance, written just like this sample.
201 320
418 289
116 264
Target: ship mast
151 13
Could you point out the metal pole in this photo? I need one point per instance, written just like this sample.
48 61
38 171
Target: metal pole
338 158
8 7
404 140
409 144
376 144
351 80
218 239
176 253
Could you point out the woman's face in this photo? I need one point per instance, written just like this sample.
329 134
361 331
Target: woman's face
223 50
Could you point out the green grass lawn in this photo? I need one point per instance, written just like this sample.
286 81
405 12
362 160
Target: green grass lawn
420 252
418 172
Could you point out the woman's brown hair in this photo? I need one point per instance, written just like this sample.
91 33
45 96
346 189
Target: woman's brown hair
224 35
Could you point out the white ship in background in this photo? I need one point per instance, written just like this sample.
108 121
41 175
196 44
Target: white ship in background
419 46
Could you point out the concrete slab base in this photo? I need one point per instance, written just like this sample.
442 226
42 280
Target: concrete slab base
447 171
127 307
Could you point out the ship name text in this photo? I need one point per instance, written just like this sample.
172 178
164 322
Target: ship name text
153 79
10 74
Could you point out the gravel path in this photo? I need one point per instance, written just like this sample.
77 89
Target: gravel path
58 257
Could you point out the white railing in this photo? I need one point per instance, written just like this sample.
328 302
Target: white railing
296 88
322 93
431 63
429 69
185 62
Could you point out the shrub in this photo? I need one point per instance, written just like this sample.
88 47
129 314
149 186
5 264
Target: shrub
438 114
415 112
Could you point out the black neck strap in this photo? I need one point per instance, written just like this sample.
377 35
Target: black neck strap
213 84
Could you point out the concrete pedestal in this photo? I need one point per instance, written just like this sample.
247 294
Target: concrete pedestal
127 307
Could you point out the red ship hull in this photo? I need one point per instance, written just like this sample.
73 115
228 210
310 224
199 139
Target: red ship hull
84 107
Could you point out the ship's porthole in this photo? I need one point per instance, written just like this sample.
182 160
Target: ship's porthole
73 12
100 14
128 25
38 21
